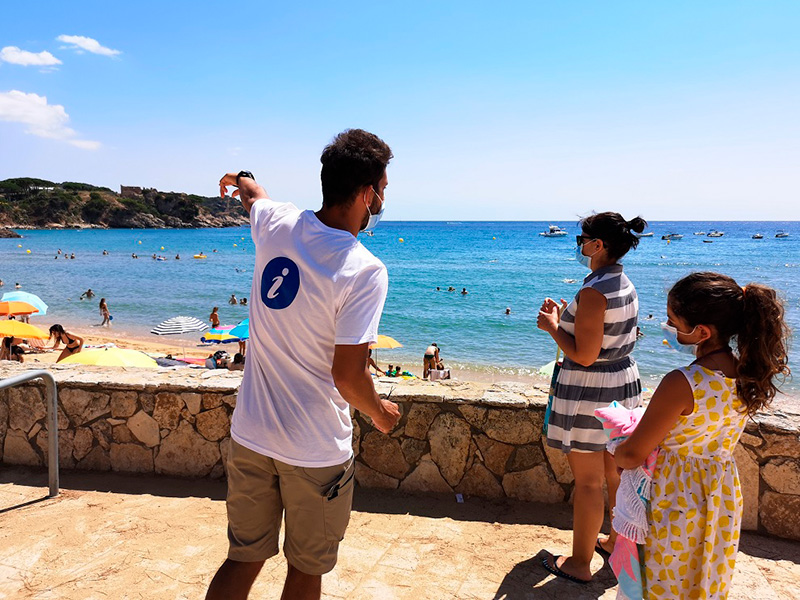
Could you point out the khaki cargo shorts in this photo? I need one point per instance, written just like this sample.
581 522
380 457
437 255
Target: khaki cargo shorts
316 502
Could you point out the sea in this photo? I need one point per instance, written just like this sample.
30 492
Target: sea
500 265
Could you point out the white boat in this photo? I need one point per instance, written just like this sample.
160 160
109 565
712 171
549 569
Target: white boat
554 231
758 236
641 235
672 236
781 234
699 232
715 233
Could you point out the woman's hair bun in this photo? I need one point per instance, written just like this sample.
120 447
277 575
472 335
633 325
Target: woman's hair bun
636 224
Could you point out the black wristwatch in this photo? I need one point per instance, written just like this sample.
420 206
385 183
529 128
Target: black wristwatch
244 174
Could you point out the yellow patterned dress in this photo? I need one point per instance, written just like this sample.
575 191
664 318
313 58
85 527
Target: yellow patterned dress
696 499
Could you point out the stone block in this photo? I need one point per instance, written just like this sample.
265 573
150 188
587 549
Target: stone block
148 402
749 478
187 416
193 402
782 475
17 450
186 453
213 424
102 433
131 458
82 442
123 404
83 406
420 417
121 434
96 460
533 485
211 401
356 439
449 437
480 482
752 441
559 464
63 419
25 408
780 514
217 472
370 478
65 447
230 400
167 411
475 415
145 429
513 426
383 454
780 445
526 457
426 478
413 450
495 454
37 427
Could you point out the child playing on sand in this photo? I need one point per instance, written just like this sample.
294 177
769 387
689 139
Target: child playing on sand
695 419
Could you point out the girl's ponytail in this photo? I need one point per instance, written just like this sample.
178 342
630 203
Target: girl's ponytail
762 342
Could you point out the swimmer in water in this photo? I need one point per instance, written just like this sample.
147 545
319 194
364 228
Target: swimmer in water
233 300
464 291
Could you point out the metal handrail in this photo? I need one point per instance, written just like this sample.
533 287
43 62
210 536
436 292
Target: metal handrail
52 419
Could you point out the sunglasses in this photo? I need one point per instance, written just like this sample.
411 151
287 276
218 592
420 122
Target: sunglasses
579 239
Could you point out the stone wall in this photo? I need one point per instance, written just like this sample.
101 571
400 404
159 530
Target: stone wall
475 440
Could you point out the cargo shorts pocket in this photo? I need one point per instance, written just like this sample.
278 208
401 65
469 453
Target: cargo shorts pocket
337 502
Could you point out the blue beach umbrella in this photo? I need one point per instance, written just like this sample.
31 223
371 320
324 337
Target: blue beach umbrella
242 330
31 299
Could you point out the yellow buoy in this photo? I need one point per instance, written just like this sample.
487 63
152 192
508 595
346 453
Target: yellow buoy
494 238
28 251
19 245
234 245
162 247
140 241
402 240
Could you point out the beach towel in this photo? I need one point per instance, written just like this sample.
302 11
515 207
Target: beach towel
633 498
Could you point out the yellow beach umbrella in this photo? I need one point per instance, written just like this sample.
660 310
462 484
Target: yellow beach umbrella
9 328
111 357
13 308
385 342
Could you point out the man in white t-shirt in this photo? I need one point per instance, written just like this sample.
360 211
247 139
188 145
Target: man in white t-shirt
317 298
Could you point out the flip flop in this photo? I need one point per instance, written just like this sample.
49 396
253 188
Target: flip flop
601 551
558 572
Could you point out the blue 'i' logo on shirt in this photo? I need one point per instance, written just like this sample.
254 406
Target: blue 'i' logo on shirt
280 283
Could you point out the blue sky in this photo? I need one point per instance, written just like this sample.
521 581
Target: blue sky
505 110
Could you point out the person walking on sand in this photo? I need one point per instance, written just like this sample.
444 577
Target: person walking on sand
72 343
597 333
214 317
694 420
105 313
317 298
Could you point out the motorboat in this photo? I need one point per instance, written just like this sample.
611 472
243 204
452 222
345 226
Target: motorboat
715 233
699 232
781 234
554 231
641 235
708 241
672 236
758 236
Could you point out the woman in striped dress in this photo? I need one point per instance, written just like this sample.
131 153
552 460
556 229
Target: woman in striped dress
597 332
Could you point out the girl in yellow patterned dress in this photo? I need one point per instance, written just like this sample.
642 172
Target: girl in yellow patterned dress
695 418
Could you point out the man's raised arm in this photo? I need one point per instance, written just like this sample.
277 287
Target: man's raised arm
246 188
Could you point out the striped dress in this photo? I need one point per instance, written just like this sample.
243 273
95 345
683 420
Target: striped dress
614 375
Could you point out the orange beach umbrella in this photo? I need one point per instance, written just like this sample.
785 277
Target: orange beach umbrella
13 308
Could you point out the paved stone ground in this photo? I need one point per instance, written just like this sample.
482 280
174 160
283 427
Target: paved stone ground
120 537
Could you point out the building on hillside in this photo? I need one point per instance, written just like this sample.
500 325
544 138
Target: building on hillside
129 191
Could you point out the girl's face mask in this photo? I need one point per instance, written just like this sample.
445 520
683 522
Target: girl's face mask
671 337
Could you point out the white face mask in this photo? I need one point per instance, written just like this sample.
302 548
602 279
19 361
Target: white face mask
671 337
586 261
373 220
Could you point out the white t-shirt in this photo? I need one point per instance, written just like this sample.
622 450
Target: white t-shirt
313 287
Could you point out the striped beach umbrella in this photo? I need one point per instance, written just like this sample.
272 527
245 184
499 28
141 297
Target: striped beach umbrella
178 326
220 335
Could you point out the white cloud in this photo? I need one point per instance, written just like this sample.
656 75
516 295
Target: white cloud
43 119
81 43
16 56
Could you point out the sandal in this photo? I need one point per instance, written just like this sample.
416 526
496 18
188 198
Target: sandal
553 568
598 547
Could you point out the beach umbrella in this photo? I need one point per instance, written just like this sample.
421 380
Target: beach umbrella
32 299
111 357
242 330
13 308
9 328
220 335
178 326
385 342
